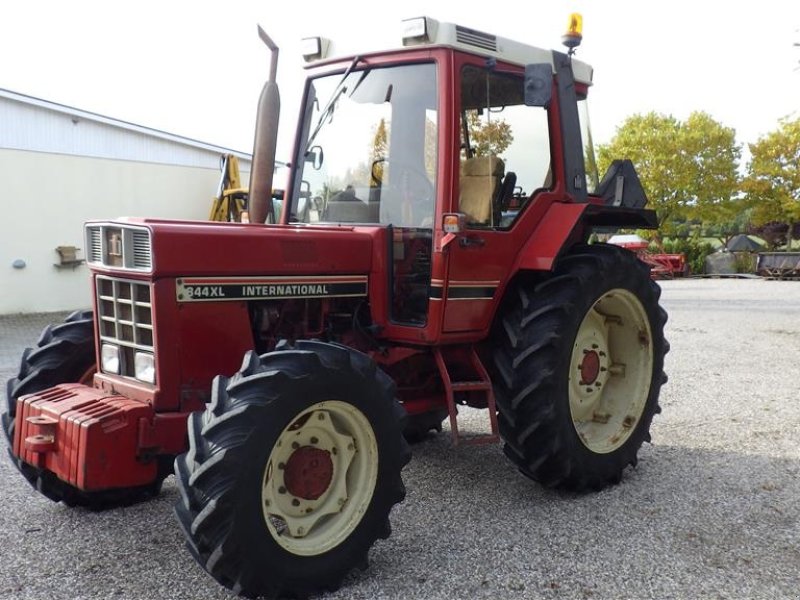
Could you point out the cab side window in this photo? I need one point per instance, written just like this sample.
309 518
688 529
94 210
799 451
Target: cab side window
505 148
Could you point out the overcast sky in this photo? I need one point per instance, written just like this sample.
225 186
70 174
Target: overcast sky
196 68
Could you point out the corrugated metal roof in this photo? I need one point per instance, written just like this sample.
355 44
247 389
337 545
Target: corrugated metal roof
28 123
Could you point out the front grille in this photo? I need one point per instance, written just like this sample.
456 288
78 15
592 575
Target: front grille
465 35
95 245
125 318
142 258
119 246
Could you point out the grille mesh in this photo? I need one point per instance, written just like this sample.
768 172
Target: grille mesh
95 245
125 317
476 38
142 258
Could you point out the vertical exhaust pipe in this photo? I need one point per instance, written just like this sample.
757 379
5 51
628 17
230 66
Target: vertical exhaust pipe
265 142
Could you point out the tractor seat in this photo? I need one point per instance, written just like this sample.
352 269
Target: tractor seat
479 186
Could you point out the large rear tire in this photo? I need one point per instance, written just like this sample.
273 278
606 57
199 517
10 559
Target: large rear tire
578 366
292 470
64 353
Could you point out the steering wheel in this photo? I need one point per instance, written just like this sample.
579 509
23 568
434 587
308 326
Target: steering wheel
404 169
412 187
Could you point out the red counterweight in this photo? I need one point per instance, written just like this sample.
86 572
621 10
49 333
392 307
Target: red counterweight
85 436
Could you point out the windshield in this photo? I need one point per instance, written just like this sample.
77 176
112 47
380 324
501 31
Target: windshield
368 152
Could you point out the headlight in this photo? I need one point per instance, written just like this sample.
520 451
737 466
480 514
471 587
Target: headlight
109 358
144 365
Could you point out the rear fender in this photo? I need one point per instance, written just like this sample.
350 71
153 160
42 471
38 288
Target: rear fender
566 224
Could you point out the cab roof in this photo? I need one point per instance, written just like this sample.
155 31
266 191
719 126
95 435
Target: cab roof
432 33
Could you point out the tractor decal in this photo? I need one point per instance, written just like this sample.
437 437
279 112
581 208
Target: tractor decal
464 290
268 288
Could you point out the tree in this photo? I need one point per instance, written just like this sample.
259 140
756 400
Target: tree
489 136
688 169
772 184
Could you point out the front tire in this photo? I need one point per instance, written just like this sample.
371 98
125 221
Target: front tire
64 353
578 368
292 470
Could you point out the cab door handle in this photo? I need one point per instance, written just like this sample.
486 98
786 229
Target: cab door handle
471 241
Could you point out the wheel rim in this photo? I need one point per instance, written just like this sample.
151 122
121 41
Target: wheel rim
320 478
610 371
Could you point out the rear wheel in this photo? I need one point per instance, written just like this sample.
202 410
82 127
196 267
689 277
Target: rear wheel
292 470
578 368
64 353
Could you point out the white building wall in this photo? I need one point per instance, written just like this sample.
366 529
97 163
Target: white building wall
61 166
47 197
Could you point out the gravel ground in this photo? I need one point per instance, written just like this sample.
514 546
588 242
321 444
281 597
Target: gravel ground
711 511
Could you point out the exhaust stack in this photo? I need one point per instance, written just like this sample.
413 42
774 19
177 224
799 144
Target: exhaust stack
265 141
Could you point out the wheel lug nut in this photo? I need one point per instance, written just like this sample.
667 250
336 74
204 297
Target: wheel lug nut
595 346
295 445
295 502
281 466
314 440
281 490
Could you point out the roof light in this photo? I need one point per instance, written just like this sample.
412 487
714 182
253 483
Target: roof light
314 48
415 31
572 38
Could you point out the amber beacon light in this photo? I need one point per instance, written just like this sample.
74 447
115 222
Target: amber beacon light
574 35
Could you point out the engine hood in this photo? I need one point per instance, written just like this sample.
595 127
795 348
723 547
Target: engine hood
193 248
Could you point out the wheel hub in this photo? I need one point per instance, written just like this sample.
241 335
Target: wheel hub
319 478
308 472
610 370
590 367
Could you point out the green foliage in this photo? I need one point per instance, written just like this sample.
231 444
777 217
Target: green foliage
772 184
488 136
688 169
745 262
694 249
379 150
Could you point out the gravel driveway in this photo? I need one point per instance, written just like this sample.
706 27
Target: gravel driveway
711 511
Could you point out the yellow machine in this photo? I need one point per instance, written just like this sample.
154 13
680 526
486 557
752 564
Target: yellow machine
231 198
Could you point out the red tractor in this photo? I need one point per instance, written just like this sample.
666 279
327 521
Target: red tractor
429 252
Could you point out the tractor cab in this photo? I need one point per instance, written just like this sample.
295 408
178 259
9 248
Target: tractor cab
439 144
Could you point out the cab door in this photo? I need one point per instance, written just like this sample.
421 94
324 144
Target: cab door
503 163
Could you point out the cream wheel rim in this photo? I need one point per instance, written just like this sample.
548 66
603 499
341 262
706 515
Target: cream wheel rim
610 371
320 478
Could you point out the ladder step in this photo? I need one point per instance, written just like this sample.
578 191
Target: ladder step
469 386
477 440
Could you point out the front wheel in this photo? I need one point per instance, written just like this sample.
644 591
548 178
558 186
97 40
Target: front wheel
578 368
292 470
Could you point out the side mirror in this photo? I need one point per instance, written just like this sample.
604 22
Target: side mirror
315 156
538 84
